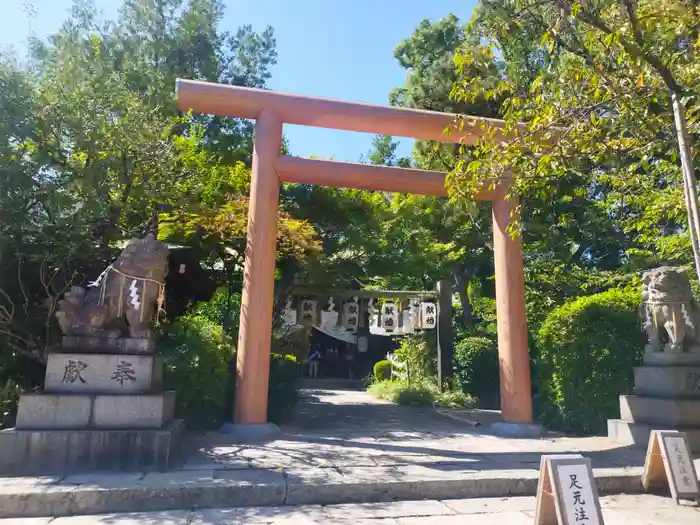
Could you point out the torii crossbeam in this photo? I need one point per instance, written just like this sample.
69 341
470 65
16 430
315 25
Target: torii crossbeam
271 110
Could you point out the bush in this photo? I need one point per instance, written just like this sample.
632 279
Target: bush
282 394
200 367
418 394
587 350
196 353
9 397
382 370
420 353
477 371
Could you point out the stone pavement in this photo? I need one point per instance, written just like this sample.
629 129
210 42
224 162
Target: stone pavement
617 510
343 447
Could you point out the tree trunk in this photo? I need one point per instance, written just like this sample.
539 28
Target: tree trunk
690 189
462 280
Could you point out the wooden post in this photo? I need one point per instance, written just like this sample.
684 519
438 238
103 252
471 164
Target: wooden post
444 331
514 360
253 359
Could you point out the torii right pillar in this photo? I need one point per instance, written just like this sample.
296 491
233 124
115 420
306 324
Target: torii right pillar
514 359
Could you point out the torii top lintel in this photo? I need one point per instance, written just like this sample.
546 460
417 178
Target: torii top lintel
234 101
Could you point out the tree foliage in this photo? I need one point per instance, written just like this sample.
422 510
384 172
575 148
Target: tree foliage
93 151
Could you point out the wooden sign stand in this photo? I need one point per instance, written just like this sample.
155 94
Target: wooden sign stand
566 492
669 464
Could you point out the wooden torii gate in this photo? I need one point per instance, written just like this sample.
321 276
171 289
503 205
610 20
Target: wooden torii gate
271 110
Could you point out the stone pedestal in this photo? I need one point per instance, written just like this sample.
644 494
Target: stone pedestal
98 410
666 397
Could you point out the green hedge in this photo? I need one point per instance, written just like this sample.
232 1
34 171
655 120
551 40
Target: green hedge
283 393
587 350
200 366
476 369
196 353
382 370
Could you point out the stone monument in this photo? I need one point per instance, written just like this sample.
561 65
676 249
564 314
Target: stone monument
102 406
667 385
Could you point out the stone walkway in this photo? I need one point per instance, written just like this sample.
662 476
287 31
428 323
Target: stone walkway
617 510
343 447
353 430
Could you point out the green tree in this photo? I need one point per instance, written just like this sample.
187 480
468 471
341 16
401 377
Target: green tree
93 150
611 85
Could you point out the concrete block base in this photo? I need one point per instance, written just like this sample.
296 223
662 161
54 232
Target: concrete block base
44 411
517 430
662 412
637 434
39 452
672 359
675 382
251 433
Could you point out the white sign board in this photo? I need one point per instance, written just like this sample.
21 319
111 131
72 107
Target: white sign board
579 501
669 464
682 466
566 493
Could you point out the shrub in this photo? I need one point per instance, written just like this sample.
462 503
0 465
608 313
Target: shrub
420 353
476 369
282 393
196 353
418 394
382 370
9 397
587 350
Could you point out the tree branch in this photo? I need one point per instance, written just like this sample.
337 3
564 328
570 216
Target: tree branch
636 48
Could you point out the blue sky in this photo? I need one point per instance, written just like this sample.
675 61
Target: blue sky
328 48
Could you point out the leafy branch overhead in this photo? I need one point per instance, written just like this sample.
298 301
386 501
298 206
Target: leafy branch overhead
594 82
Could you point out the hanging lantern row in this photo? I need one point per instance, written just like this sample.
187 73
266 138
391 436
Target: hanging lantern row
391 316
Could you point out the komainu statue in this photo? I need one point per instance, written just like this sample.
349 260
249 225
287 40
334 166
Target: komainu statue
130 293
669 312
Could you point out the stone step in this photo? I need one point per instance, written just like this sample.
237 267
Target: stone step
41 452
103 373
669 413
637 434
44 411
103 493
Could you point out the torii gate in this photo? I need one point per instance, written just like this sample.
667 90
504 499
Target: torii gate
271 110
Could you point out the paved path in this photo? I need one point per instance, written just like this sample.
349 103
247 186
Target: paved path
343 447
351 429
617 510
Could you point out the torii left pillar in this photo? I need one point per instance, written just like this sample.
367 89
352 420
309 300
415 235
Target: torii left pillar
253 357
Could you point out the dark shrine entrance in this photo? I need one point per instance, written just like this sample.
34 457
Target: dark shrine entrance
344 360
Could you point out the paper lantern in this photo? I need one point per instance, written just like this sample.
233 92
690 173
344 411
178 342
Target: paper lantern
428 316
362 344
351 315
390 317
290 314
308 313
